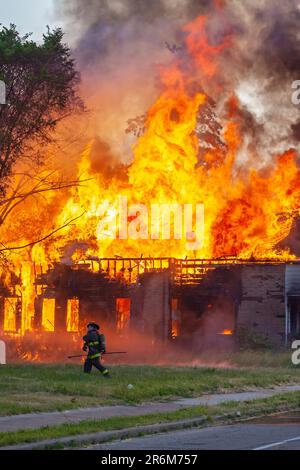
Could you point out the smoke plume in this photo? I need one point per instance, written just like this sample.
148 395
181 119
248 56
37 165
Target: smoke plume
119 44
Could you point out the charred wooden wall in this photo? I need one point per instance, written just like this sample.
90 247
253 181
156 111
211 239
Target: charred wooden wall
252 296
96 293
209 307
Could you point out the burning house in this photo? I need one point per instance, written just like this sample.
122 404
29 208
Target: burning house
76 257
191 301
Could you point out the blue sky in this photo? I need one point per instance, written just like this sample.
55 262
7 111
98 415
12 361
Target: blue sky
28 15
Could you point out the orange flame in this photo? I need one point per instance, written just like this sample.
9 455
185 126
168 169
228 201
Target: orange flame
227 332
247 212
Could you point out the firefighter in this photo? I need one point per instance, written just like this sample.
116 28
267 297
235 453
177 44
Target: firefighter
94 342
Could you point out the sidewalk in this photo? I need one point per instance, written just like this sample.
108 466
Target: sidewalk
38 420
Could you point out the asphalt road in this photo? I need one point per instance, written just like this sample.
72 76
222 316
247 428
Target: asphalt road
283 434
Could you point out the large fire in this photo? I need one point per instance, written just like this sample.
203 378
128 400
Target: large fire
247 212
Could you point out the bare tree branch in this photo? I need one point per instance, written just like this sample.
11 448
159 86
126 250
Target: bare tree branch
41 239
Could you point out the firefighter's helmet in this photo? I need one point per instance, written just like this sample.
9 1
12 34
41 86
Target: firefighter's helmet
94 325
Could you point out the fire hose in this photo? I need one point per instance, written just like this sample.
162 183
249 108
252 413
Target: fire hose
112 352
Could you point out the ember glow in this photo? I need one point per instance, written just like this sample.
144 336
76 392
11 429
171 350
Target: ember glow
247 211
227 332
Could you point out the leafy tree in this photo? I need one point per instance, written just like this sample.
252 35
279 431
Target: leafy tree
41 89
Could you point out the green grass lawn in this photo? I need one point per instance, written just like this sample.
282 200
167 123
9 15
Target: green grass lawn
38 387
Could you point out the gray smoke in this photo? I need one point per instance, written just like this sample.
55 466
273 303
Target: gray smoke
264 66
119 43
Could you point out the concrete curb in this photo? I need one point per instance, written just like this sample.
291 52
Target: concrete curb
102 437
119 434
106 436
